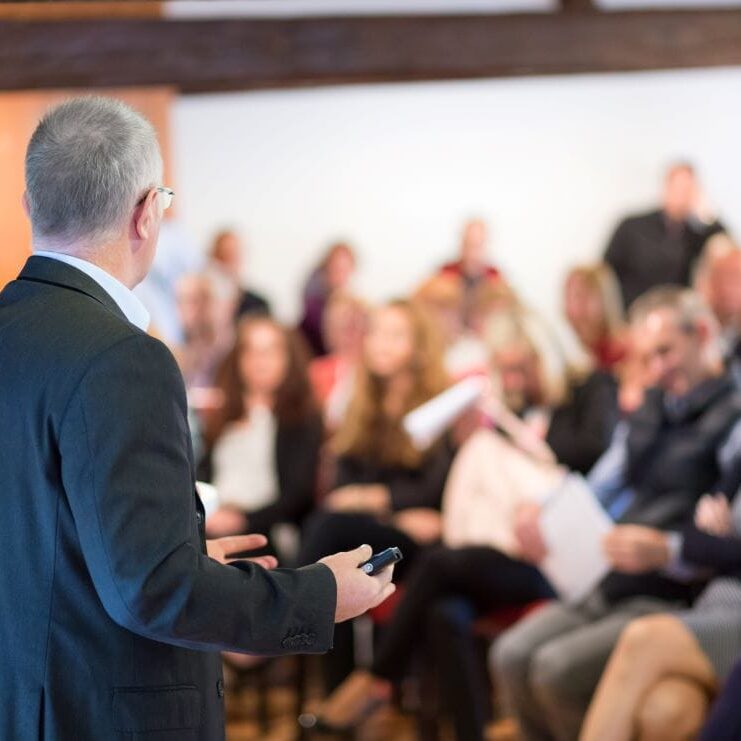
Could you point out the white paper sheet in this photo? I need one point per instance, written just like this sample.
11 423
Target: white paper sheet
428 421
574 526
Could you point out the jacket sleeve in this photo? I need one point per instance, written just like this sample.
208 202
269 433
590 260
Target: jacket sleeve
722 554
581 429
297 458
126 468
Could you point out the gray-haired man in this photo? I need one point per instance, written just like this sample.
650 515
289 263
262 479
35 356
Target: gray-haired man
111 613
683 441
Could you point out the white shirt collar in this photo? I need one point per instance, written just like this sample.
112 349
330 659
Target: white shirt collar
129 304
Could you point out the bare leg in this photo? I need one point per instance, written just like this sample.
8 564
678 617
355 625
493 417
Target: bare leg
673 710
650 649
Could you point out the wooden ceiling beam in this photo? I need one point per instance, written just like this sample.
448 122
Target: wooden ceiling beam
235 54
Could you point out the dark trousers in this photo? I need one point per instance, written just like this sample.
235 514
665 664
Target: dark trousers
724 721
445 591
329 532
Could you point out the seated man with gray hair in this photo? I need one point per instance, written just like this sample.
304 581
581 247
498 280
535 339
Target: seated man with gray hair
682 442
113 607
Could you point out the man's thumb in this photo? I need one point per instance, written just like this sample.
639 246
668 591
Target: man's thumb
363 553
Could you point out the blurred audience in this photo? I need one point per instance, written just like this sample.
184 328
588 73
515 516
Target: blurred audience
264 440
683 441
494 473
332 375
334 273
661 247
226 257
386 492
651 418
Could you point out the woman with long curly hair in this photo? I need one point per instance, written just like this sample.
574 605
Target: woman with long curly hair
386 491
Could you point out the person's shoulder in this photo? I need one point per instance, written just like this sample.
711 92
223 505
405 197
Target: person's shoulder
135 346
643 218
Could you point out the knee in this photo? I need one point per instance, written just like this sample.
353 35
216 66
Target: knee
669 713
646 636
509 657
549 674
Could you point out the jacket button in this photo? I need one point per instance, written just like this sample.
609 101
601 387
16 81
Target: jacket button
220 688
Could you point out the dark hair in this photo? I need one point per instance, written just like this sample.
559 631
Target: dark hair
294 398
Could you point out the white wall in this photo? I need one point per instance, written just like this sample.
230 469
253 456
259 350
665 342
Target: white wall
551 163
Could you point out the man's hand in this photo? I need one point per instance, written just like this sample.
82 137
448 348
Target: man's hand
222 548
356 591
713 515
634 549
527 532
371 498
226 521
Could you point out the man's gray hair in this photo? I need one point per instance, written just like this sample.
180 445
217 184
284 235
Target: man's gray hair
689 307
89 161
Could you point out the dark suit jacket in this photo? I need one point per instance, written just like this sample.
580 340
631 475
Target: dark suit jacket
110 612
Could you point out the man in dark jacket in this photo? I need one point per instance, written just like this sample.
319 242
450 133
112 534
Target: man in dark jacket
661 247
111 612
684 440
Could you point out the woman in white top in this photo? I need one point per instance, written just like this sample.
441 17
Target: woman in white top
264 440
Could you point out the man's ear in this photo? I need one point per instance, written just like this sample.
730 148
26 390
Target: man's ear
145 218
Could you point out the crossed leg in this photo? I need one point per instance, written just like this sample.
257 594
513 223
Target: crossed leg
656 686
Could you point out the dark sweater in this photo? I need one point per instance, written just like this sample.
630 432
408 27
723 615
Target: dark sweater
581 429
647 251
418 487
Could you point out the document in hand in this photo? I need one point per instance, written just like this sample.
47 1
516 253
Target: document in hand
574 526
428 421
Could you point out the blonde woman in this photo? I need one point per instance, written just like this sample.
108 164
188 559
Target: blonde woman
386 491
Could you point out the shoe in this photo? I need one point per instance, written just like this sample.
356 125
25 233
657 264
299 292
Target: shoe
353 702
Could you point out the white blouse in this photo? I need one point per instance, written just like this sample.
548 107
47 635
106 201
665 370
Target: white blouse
244 462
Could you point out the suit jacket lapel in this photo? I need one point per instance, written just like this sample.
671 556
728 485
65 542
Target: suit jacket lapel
56 273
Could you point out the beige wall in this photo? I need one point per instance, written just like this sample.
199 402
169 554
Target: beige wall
19 114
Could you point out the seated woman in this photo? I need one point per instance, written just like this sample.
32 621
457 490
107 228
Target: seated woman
593 307
561 422
264 440
386 492
666 668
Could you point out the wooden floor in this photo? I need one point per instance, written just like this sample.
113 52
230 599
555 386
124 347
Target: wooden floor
387 724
